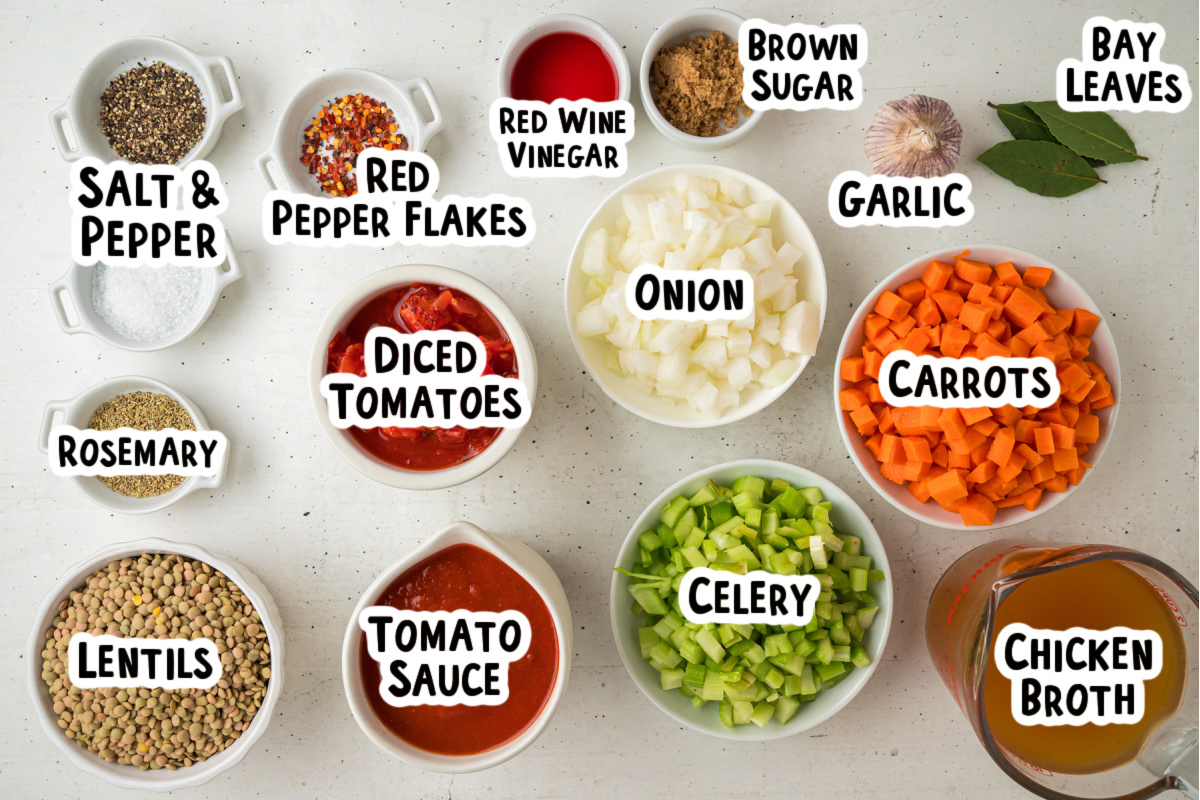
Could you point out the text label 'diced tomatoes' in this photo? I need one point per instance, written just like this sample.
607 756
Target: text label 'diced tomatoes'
408 309
466 577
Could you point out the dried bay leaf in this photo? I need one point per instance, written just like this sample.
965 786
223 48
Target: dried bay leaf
1089 133
1042 167
1022 123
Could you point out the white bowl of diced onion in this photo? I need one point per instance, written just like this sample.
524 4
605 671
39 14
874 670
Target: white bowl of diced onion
696 375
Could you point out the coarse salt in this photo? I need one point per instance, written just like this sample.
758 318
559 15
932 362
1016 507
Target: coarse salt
147 304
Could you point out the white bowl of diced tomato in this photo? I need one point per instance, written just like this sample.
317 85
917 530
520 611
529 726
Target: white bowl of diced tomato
978 468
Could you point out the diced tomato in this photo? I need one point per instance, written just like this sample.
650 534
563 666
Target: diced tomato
352 361
411 434
420 310
453 435
337 347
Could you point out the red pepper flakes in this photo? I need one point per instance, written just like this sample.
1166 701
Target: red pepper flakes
342 129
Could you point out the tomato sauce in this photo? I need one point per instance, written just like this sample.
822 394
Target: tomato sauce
408 309
463 576
569 66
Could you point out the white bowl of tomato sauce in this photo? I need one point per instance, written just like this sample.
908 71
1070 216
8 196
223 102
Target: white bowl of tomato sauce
463 567
409 298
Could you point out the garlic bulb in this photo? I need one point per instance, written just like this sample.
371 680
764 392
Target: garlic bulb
916 136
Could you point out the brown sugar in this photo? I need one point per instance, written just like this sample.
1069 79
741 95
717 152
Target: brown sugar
698 84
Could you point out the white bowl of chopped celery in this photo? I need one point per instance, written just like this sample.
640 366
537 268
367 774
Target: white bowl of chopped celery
696 217
729 680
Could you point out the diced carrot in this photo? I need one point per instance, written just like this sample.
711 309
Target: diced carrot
954 340
998 329
854 369
1056 484
972 415
987 427
1002 446
917 489
936 275
1008 274
1070 375
935 335
915 342
1052 349
908 421
916 448
1068 315
973 271
959 461
915 470
891 451
982 473
1081 392
1022 308
886 341
892 306
978 292
874 393
929 418
947 487
875 324
1054 324
1036 276
1025 429
1070 413
978 510
851 399
1042 472
1032 335
1065 459
1063 436
1031 456
1044 441
994 305
1032 498
1007 415
951 423
1080 346
912 292
1002 292
1076 475
1020 348
958 286
986 347
872 444
975 317
1011 468
893 472
927 312
864 420
902 327
1009 502
873 362
1087 429
1085 322
950 303
941 455
885 420
954 506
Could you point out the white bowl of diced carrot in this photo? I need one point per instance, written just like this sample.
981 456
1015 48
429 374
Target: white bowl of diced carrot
978 468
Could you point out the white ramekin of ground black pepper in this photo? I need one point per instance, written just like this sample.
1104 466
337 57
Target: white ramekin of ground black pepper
159 740
139 403
141 308
147 100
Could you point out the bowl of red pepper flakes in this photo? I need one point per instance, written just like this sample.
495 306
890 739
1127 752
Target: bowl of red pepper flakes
336 116
410 298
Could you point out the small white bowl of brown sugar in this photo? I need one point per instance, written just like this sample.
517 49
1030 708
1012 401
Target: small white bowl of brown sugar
691 80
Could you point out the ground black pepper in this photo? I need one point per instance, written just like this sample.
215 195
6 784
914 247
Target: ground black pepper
152 114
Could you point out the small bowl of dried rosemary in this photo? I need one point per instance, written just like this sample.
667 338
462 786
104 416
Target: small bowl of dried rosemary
147 100
138 403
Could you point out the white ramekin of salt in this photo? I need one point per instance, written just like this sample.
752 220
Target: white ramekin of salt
140 308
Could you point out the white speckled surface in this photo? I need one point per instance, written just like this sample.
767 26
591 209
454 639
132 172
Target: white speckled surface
316 532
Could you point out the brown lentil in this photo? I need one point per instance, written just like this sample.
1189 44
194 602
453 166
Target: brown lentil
160 596
698 84
152 114
142 411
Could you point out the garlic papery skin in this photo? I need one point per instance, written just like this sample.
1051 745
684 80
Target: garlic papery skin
914 137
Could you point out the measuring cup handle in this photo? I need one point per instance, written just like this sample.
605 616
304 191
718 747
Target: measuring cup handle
57 117
57 289
53 408
224 107
426 127
234 271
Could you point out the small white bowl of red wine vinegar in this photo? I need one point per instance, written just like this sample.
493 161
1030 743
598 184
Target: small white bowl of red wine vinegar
567 57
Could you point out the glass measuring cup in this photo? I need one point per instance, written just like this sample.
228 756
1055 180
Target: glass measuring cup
959 630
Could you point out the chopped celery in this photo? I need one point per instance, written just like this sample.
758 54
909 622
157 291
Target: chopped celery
753 672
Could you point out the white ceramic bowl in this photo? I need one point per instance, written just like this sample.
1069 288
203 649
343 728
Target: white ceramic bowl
787 224
697 22
564 23
344 310
81 113
124 775
847 518
78 412
280 166
1063 292
76 286
530 566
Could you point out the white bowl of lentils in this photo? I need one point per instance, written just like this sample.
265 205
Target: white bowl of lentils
181 581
